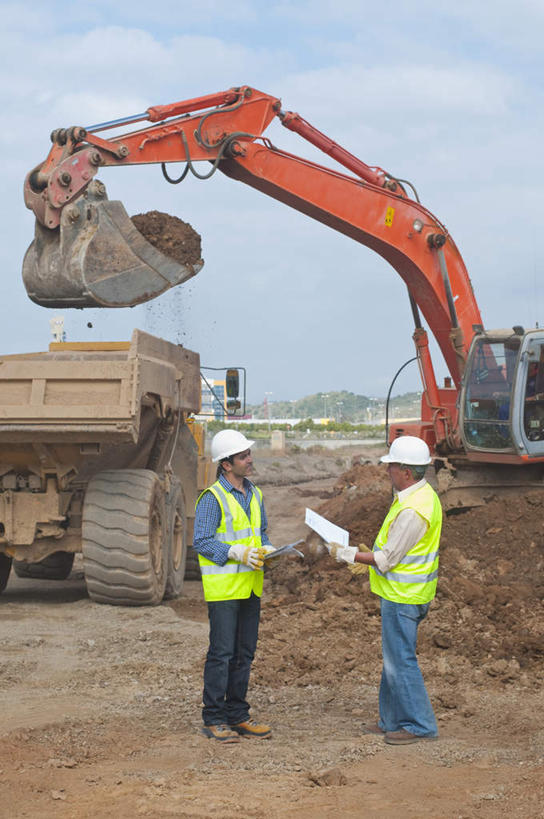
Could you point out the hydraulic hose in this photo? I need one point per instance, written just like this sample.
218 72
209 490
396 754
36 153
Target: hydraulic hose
414 358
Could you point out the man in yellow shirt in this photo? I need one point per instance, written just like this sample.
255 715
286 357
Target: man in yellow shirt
403 569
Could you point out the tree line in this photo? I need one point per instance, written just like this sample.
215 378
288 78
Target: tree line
342 406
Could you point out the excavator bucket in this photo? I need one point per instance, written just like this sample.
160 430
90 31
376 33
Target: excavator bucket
97 258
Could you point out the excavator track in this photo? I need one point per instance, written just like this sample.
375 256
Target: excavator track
463 485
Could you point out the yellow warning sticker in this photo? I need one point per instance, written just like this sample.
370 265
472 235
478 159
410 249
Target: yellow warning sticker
389 214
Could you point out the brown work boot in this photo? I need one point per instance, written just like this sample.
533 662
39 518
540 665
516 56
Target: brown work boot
222 733
252 729
403 737
373 729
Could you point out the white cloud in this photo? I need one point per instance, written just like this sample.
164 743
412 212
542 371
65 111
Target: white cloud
405 88
501 23
30 18
407 24
440 103
37 16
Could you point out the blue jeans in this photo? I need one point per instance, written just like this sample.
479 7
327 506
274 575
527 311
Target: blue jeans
234 628
404 702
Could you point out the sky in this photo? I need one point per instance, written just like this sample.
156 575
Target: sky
447 95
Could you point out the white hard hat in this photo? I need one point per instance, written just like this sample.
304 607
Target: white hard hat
408 450
229 442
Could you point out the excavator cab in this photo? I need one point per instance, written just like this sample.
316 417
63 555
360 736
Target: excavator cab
502 398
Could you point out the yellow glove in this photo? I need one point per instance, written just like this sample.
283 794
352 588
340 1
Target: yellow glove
248 555
272 562
360 568
254 557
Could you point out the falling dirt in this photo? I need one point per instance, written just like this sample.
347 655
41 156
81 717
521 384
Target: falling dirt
101 705
170 235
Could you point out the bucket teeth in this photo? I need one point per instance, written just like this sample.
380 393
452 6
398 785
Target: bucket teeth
97 258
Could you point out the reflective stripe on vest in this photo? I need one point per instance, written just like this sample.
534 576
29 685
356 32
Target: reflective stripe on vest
233 581
414 579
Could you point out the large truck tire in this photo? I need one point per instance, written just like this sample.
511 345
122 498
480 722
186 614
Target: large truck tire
192 566
176 540
123 538
5 568
56 566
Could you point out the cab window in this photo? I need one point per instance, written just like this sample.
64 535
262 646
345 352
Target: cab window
487 410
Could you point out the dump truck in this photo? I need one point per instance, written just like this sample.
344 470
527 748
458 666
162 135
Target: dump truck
98 457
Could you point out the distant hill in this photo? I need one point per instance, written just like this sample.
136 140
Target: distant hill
342 406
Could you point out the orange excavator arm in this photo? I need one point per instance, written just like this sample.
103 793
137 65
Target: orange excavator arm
226 129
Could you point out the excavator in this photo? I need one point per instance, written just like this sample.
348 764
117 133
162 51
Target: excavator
485 423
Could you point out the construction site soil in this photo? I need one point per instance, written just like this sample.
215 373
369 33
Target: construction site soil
101 705
487 618
170 235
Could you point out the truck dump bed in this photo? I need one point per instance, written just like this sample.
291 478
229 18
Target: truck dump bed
94 393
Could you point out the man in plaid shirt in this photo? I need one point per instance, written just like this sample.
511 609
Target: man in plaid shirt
231 540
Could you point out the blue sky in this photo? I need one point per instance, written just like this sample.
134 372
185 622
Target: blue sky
446 95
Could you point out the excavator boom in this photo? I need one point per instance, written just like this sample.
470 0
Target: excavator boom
371 207
88 253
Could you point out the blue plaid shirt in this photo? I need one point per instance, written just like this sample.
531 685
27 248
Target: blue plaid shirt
208 518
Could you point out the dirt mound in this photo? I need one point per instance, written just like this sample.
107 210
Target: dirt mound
485 625
170 235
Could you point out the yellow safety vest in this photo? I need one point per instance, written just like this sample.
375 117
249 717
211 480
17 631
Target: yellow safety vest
414 579
233 581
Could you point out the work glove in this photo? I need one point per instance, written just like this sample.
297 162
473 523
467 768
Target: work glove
342 554
248 555
272 562
360 568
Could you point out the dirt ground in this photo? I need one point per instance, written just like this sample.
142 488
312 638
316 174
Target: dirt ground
101 705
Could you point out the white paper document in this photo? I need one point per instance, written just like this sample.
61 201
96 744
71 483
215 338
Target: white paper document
330 532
